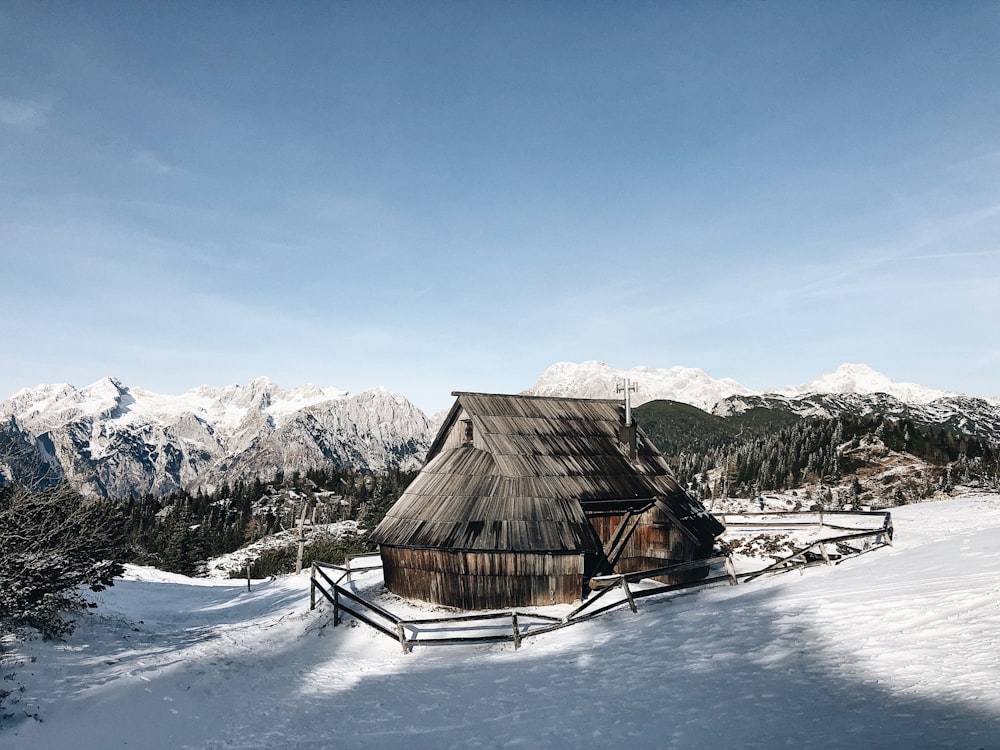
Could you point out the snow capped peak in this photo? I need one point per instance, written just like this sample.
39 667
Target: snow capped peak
33 400
106 391
257 394
263 394
284 403
226 406
598 380
62 402
693 386
262 382
851 378
114 440
862 379
107 384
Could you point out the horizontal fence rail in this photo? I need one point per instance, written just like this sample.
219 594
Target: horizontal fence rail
816 552
797 518
328 581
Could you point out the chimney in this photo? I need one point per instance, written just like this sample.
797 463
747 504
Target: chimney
626 431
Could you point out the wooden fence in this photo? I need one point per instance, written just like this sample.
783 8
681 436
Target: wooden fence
462 628
844 545
793 519
328 580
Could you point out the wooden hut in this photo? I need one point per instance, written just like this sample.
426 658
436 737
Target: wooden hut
524 498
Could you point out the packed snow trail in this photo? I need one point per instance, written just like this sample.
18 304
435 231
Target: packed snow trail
896 648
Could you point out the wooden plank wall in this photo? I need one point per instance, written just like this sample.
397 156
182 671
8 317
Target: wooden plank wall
655 543
483 580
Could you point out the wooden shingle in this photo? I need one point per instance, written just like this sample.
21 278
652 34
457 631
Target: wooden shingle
542 461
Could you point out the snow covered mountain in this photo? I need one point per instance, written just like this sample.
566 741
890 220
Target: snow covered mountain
112 440
592 379
690 385
863 380
852 388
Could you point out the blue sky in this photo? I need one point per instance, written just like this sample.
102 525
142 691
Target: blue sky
452 196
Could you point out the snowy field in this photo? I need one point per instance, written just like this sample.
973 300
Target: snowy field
898 648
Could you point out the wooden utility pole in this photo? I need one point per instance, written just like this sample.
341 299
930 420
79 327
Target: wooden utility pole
302 537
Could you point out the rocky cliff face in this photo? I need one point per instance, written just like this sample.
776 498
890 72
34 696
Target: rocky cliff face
111 440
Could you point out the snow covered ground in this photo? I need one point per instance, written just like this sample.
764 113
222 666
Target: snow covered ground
897 648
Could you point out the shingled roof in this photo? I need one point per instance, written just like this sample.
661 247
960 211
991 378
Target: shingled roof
536 464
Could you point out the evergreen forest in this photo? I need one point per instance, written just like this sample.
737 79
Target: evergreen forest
773 450
177 533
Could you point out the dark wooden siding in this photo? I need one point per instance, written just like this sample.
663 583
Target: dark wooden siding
483 580
655 543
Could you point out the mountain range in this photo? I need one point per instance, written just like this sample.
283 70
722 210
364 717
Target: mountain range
851 389
692 386
110 439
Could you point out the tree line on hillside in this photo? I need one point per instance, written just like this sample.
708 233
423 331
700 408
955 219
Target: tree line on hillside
180 531
767 451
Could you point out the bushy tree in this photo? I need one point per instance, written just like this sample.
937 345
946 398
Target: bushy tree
53 546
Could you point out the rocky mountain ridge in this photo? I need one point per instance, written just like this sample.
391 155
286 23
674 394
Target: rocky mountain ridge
851 389
690 385
109 439
962 414
594 379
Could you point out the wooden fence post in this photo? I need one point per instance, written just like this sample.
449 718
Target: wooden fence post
402 638
517 631
731 570
312 587
302 538
336 606
628 595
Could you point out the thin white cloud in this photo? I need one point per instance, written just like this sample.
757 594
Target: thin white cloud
149 162
951 256
25 114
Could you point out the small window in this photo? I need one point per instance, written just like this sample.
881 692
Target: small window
467 432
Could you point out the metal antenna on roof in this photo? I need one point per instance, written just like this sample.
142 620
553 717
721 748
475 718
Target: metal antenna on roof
628 387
